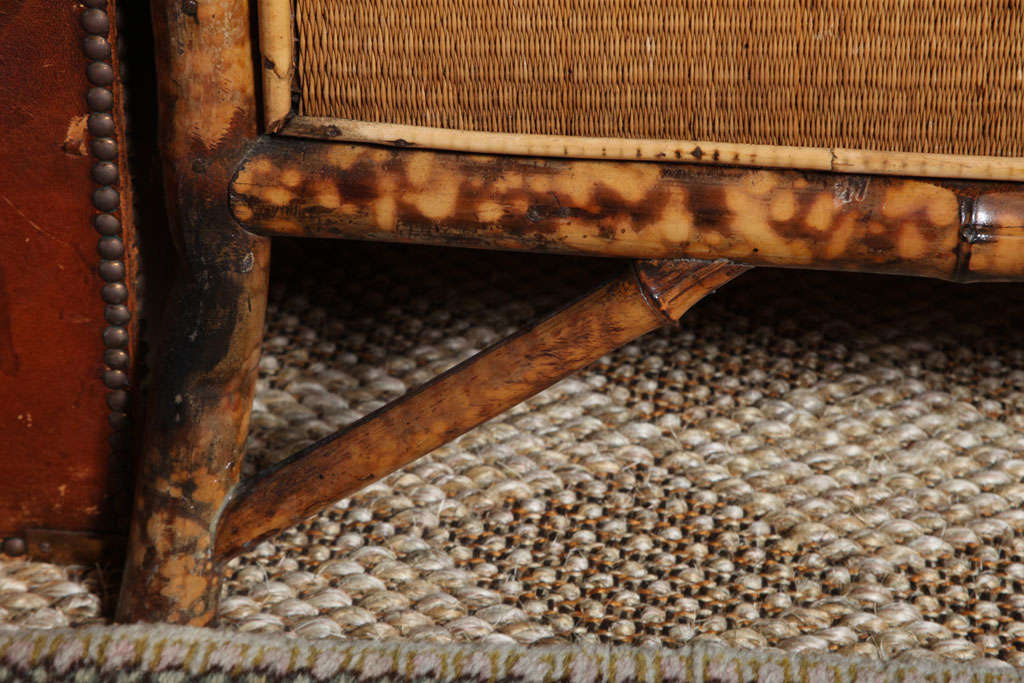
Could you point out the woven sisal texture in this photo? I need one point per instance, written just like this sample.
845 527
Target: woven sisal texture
176 654
811 462
930 76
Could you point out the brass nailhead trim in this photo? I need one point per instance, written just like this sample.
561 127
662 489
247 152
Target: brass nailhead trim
115 293
106 198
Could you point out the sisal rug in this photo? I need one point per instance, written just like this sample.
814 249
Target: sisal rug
811 463
169 654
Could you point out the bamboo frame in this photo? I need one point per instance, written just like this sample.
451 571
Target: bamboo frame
191 513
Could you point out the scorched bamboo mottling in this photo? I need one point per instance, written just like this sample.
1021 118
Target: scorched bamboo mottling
634 209
204 377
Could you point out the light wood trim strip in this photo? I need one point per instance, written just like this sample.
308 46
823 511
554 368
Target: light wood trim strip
278 61
711 153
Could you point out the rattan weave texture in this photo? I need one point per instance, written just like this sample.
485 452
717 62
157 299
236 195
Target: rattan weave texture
929 76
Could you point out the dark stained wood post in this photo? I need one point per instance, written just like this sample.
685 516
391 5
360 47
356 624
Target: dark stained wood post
205 372
654 294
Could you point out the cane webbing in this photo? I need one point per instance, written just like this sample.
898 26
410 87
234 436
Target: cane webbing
929 76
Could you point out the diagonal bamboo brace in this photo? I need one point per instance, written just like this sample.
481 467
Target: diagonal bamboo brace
652 294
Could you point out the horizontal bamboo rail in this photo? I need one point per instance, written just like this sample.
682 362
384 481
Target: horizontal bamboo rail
953 230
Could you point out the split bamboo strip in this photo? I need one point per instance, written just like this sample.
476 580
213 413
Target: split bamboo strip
695 152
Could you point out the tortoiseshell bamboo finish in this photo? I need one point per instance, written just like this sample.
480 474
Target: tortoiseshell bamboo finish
945 229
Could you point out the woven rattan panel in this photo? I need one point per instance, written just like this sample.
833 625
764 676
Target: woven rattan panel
930 76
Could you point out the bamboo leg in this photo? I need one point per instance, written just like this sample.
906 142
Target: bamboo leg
478 389
195 435
204 375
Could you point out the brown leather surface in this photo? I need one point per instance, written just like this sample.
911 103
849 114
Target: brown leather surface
55 460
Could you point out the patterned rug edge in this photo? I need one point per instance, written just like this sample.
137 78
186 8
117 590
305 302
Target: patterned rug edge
185 653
